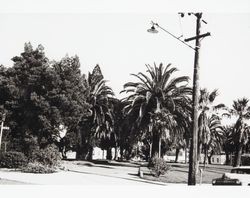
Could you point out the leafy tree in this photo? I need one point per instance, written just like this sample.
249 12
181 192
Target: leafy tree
26 97
70 97
40 96
157 96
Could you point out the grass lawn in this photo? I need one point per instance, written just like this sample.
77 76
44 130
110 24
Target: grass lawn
179 173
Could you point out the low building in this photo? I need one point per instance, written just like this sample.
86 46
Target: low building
215 159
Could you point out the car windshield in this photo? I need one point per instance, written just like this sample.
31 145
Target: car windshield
241 171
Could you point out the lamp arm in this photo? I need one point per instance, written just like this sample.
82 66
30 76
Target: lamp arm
157 25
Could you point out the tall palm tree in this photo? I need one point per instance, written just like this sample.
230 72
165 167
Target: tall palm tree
214 140
156 96
207 115
228 143
241 130
100 123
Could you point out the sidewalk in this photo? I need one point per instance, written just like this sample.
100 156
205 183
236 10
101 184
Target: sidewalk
75 177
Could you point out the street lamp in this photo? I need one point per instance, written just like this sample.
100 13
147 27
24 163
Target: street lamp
152 29
193 162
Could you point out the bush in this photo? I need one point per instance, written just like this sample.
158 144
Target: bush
158 166
245 160
36 167
48 156
13 159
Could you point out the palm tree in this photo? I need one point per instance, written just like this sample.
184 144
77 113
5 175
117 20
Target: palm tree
100 123
214 140
241 109
207 119
228 143
156 100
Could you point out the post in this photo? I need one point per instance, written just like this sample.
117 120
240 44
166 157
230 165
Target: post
193 165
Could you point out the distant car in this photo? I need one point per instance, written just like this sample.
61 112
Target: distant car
239 176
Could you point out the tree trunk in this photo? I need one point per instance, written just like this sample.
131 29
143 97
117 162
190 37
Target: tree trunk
209 157
238 153
90 153
199 148
115 157
199 153
109 153
185 154
231 159
155 144
177 151
150 150
205 156
81 152
103 153
227 158
121 152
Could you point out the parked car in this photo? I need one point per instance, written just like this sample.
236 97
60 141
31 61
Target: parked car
239 176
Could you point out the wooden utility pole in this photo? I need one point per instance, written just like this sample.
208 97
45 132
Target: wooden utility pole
193 161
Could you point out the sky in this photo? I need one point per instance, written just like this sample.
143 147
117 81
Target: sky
118 41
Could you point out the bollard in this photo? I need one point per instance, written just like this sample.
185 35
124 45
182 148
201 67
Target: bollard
201 172
140 172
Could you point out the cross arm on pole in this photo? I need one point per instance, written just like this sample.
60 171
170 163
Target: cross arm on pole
199 36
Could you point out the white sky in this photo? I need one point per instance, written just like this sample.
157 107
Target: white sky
115 37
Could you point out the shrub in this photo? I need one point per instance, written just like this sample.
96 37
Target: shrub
158 166
13 159
48 156
36 167
245 160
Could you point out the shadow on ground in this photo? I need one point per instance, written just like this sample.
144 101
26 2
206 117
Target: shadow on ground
118 177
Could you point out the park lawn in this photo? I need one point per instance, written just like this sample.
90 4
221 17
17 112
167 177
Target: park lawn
178 173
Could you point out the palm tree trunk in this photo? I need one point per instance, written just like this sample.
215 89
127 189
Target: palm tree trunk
90 153
109 153
115 157
205 156
177 151
155 144
150 150
227 158
231 159
185 154
238 153
209 157
121 152
198 157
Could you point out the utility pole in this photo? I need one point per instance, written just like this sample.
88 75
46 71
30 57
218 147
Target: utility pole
193 161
